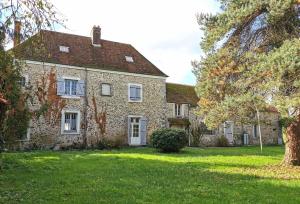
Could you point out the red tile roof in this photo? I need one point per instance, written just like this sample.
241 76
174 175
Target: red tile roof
110 56
182 94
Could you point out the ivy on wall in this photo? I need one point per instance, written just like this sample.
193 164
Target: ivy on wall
100 118
50 103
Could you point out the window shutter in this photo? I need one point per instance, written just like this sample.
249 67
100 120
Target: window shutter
80 88
60 86
143 130
138 93
174 110
183 110
132 93
129 128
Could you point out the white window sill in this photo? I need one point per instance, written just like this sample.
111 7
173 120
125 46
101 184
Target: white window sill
70 133
130 101
70 97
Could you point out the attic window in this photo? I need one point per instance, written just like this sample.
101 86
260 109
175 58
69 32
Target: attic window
129 59
64 49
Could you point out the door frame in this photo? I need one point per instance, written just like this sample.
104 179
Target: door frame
131 132
231 125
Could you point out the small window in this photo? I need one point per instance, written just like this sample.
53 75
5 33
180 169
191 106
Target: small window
64 49
178 112
106 89
70 87
255 131
70 123
129 59
135 92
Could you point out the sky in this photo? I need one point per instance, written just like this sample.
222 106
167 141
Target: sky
164 31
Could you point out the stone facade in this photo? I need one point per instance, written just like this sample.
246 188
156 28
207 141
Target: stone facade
117 106
270 129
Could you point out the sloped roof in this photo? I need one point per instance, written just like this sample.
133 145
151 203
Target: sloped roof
44 47
182 94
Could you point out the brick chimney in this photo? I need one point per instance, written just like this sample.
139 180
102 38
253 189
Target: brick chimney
17 33
96 36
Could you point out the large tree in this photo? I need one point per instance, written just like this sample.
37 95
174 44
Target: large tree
252 61
33 15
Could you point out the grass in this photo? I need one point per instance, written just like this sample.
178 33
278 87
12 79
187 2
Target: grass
142 175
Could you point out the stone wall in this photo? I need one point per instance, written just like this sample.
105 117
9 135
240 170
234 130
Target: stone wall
170 110
269 128
153 105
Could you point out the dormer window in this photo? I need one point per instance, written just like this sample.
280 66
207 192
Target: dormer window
64 49
129 59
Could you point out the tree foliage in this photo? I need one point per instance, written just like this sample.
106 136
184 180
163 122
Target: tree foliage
251 61
33 15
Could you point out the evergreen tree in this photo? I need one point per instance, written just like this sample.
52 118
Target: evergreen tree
252 61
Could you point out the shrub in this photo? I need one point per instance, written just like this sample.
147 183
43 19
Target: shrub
222 141
115 142
169 140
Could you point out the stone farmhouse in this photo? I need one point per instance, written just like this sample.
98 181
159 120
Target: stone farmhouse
94 88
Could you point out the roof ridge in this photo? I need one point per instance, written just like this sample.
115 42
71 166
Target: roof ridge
181 84
83 36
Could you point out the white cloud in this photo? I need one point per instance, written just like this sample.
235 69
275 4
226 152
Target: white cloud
165 32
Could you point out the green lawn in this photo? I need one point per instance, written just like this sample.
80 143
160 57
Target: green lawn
142 175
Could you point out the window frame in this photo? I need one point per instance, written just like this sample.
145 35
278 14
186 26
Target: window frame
101 90
133 124
176 105
26 80
70 91
63 131
255 130
74 79
141 88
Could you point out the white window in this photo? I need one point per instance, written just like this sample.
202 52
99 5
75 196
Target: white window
64 49
70 122
178 110
70 87
106 89
128 59
135 92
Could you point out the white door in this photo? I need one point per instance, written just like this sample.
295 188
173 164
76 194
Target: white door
135 137
228 131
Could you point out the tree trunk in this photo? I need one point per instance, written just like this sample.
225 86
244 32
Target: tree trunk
292 145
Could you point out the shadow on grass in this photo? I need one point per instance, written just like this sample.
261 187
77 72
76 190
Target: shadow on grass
272 151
